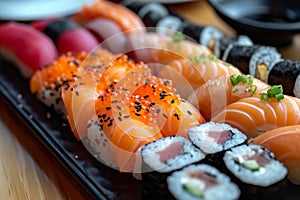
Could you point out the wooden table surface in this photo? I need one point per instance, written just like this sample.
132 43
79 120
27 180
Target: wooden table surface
27 169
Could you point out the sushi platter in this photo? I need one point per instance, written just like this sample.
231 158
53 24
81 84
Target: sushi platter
142 137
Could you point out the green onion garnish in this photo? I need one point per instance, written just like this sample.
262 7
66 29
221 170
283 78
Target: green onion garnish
276 91
178 37
198 59
247 79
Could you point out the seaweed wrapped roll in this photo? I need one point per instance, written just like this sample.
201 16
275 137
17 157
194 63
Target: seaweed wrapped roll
255 60
162 157
286 73
202 182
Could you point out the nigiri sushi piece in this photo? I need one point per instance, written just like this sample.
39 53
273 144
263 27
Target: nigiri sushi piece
25 46
195 71
260 113
118 13
132 106
215 94
284 142
109 34
68 35
163 49
47 82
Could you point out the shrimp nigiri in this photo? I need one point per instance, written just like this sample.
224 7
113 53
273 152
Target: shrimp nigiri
284 142
214 95
258 114
118 13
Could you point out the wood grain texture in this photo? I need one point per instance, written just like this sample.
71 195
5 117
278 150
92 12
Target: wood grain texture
29 171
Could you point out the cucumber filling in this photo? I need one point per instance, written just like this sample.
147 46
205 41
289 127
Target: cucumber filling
193 189
251 164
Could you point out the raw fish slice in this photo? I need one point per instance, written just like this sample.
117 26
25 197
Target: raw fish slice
109 35
121 15
214 95
163 49
67 35
25 46
253 116
284 142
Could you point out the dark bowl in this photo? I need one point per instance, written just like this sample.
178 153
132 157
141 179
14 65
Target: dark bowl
267 22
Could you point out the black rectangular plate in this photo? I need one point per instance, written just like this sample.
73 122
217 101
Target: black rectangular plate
100 181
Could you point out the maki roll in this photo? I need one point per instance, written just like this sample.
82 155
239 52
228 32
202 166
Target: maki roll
155 15
162 157
257 171
167 21
202 182
255 60
204 35
286 73
214 139
224 44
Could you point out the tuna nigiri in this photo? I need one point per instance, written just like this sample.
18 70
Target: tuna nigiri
25 46
67 35
214 95
258 114
284 142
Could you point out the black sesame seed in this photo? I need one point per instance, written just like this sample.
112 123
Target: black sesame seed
189 112
108 108
176 115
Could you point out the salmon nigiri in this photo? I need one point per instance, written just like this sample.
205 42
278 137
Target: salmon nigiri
284 142
163 49
214 95
195 71
260 113
46 83
121 15
132 107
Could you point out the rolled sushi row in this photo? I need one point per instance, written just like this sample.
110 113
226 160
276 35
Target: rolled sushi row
180 168
165 21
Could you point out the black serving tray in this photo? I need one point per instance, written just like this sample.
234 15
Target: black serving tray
100 181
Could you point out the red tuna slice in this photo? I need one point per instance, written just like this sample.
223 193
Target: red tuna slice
68 35
109 34
173 150
27 47
220 137
76 40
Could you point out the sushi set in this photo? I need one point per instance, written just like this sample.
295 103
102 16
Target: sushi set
176 111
